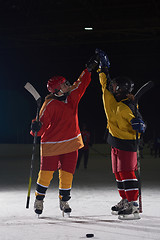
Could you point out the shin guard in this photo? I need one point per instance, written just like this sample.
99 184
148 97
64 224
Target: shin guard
44 178
65 184
130 184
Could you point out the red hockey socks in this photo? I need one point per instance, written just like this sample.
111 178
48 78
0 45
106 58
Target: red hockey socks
127 184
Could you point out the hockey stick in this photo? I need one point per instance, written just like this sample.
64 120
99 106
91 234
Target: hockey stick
37 97
146 87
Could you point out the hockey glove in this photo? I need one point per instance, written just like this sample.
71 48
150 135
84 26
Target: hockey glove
138 125
104 60
93 63
36 126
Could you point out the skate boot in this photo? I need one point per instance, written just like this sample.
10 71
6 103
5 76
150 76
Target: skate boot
65 208
129 212
119 206
38 205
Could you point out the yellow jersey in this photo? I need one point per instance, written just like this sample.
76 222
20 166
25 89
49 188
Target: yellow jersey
119 115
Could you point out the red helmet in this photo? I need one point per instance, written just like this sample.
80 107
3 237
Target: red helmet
54 83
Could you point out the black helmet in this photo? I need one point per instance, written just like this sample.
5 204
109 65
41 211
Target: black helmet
120 87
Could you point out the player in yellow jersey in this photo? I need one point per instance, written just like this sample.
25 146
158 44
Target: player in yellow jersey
122 125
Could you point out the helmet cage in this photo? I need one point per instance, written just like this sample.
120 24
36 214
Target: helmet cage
123 84
120 87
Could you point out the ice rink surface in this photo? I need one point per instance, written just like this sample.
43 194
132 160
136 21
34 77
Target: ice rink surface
91 214
94 192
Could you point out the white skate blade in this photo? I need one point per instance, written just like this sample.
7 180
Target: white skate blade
66 214
37 215
114 212
134 216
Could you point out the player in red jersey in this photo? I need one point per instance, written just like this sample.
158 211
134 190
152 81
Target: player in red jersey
60 135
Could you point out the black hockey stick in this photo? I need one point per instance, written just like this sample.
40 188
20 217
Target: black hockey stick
146 87
37 97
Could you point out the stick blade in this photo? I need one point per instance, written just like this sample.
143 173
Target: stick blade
147 86
32 90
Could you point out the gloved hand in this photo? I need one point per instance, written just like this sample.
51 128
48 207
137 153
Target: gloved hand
36 126
93 63
138 125
104 60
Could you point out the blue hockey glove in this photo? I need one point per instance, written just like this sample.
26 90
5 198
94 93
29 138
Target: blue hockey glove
104 60
138 125
36 126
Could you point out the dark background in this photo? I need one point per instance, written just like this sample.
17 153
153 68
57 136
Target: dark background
39 39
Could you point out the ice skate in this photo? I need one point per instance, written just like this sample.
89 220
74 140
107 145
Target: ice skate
119 206
65 208
130 212
38 206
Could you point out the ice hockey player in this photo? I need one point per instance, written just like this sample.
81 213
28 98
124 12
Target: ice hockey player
122 126
60 135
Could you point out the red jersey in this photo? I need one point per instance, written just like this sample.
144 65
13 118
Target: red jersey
60 131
